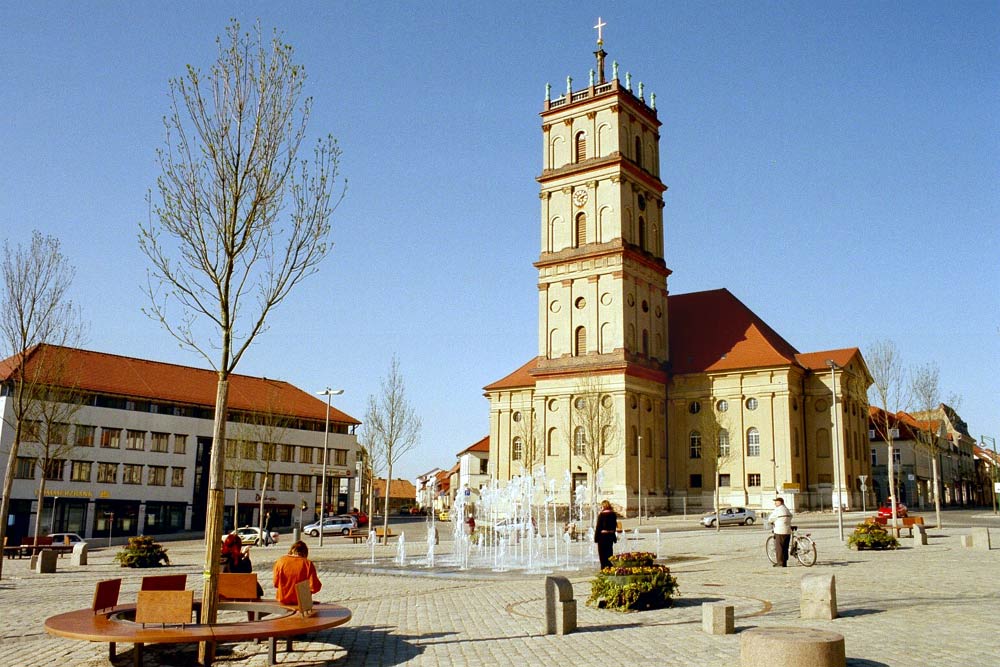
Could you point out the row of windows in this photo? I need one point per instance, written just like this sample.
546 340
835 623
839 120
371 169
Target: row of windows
248 480
722 405
580 149
753 480
107 473
853 444
266 451
85 435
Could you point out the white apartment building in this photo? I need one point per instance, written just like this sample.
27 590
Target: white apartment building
132 454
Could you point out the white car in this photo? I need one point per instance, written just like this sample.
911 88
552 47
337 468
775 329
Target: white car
332 524
64 538
251 535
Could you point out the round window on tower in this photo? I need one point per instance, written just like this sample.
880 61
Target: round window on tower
694 408
580 303
751 403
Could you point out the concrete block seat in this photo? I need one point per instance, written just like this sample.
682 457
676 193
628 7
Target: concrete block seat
791 647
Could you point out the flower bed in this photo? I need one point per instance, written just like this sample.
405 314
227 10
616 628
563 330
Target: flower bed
633 583
871 537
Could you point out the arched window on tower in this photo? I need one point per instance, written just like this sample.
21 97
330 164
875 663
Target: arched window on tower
550 442
517 449
580 344
638 150
580 231
694 445
581 146
579 442
642 233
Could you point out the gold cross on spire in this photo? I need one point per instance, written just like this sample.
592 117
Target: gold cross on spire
600 30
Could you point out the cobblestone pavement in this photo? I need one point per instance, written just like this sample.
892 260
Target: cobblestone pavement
915 606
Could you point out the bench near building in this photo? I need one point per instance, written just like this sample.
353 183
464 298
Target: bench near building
133 457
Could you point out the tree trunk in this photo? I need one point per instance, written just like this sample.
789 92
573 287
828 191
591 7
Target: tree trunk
388 487
260 514
892 485
937 496
41 507
718 526
213 520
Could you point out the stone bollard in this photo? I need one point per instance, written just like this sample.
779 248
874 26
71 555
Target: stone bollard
560 607
791 647
981 538
717 618
966 540
47 561
818 597
919 536
79 556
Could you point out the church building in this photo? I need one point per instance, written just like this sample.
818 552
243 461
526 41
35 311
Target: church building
620 400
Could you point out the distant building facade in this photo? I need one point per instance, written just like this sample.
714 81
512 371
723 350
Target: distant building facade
134 456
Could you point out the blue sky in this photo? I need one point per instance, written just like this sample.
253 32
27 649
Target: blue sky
834 165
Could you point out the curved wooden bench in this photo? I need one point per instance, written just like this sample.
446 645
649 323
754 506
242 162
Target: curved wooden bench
112 626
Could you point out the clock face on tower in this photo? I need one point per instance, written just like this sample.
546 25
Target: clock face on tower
580 197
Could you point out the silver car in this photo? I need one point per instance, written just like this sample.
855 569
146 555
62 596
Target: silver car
332 524
730 516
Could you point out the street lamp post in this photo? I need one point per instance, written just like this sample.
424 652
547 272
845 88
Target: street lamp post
329 393
836 447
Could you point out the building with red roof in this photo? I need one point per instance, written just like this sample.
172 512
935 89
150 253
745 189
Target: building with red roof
131 454
637 393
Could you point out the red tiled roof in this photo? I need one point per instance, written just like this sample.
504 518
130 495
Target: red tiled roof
400 488
115 375
520 378
715 331
816 361
481 446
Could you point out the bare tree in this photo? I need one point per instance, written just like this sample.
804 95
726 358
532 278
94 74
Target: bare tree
715 448
241 220
36 318
889 392
596 436
391 429
927 396
526 430
50 413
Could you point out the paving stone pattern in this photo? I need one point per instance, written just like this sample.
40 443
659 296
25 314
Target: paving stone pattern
925 606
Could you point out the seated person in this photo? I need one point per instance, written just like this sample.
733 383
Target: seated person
291 569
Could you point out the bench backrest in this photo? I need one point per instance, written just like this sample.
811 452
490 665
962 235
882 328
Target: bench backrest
164 582
304 598
164 607
379 532
106 595
238 586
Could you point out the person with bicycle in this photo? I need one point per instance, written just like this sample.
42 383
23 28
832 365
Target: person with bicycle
781 525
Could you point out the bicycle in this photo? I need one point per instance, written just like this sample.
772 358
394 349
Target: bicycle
801 547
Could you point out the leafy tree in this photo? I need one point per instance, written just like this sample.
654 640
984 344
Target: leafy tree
239 222
391 429
36 318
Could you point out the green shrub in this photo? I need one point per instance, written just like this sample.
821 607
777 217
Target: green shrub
872 536
142 551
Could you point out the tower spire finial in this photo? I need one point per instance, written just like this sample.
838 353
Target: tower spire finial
599 53
600 31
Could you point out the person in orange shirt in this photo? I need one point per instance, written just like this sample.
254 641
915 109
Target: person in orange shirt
292 569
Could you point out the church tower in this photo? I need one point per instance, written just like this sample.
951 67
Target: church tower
602 288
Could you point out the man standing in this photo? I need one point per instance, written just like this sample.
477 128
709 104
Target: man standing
781 525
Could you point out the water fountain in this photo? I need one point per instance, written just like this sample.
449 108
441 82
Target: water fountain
518 527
